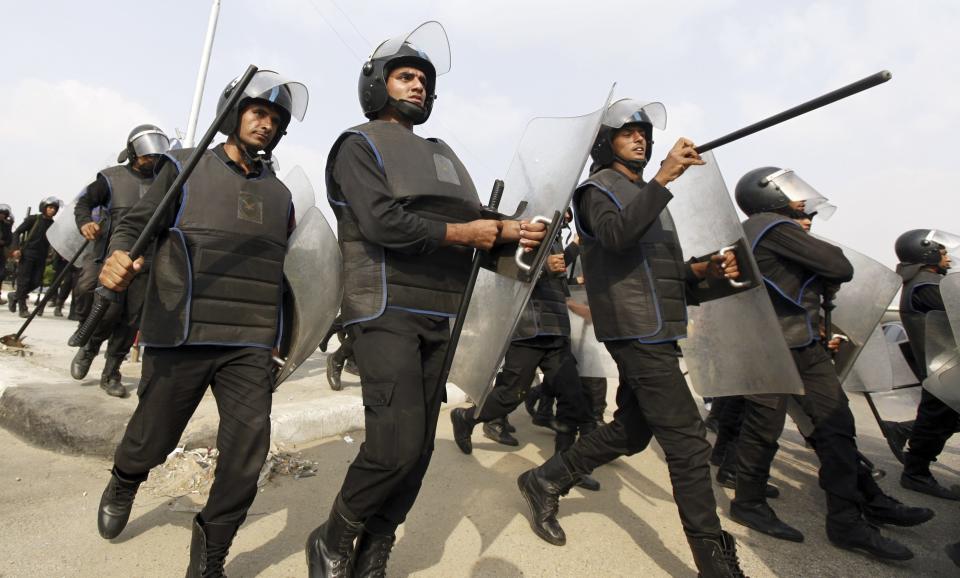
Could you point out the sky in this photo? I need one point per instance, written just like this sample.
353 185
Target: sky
82 74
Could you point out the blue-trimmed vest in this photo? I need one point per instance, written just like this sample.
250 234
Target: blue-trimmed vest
428 178
641 293
914 321
126 188
794 290
546 311
217 274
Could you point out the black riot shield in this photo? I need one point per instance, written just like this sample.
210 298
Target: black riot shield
543 174
734 344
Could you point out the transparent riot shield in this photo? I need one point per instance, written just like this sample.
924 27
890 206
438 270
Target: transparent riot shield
313 272
859 306
301 189
545 170
872 370
943 360
950 293
65 237
593 359
734 344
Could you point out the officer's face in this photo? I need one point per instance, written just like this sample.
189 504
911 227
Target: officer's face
145 163
409 84
50 211
259 123
630 143
944 260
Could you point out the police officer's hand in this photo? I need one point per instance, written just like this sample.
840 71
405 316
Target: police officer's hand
682 155
480 234
528 234
834 343
119 270
581 309
90 231
556 264
717 267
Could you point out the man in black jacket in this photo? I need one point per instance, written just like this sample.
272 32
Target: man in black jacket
116 190
798 270
408 218
211 316
923 263
637 284
30 248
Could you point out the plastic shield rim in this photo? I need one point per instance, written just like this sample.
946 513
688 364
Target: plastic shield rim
480 351
314 310
744 321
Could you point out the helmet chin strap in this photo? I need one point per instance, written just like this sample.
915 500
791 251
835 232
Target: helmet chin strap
635 166
412 112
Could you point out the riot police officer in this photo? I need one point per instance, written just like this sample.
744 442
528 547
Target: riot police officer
116 190
798 269
541 339
637 284
923 263
211 314
408 216
6 237
30 247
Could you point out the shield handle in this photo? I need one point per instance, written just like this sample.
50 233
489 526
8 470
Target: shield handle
733 283
518 256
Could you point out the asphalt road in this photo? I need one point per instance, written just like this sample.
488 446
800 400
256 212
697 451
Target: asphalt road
470 520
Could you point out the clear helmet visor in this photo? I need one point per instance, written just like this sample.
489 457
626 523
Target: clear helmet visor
288 94
797 190
150 142
949 241
627 110
429 39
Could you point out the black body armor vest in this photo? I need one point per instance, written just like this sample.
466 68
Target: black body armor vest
639 294
217 275
794 290
914 321
429 179
126 188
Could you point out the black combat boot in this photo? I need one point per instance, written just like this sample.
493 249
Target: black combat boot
334 369
463 424
759 516
58 309
507 425
208 548
884 509
716 557
115 504
727 473
563 442
847 529
110 378
917 477
83 359
330 546
597 393
373 551
541 488
496 430
12 302
24 312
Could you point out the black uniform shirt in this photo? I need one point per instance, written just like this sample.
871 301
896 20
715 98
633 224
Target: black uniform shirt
620 230
97 194
137 217
799 247
927 298
382 218
6 229
32 241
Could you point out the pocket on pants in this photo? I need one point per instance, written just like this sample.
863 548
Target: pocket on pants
381 422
